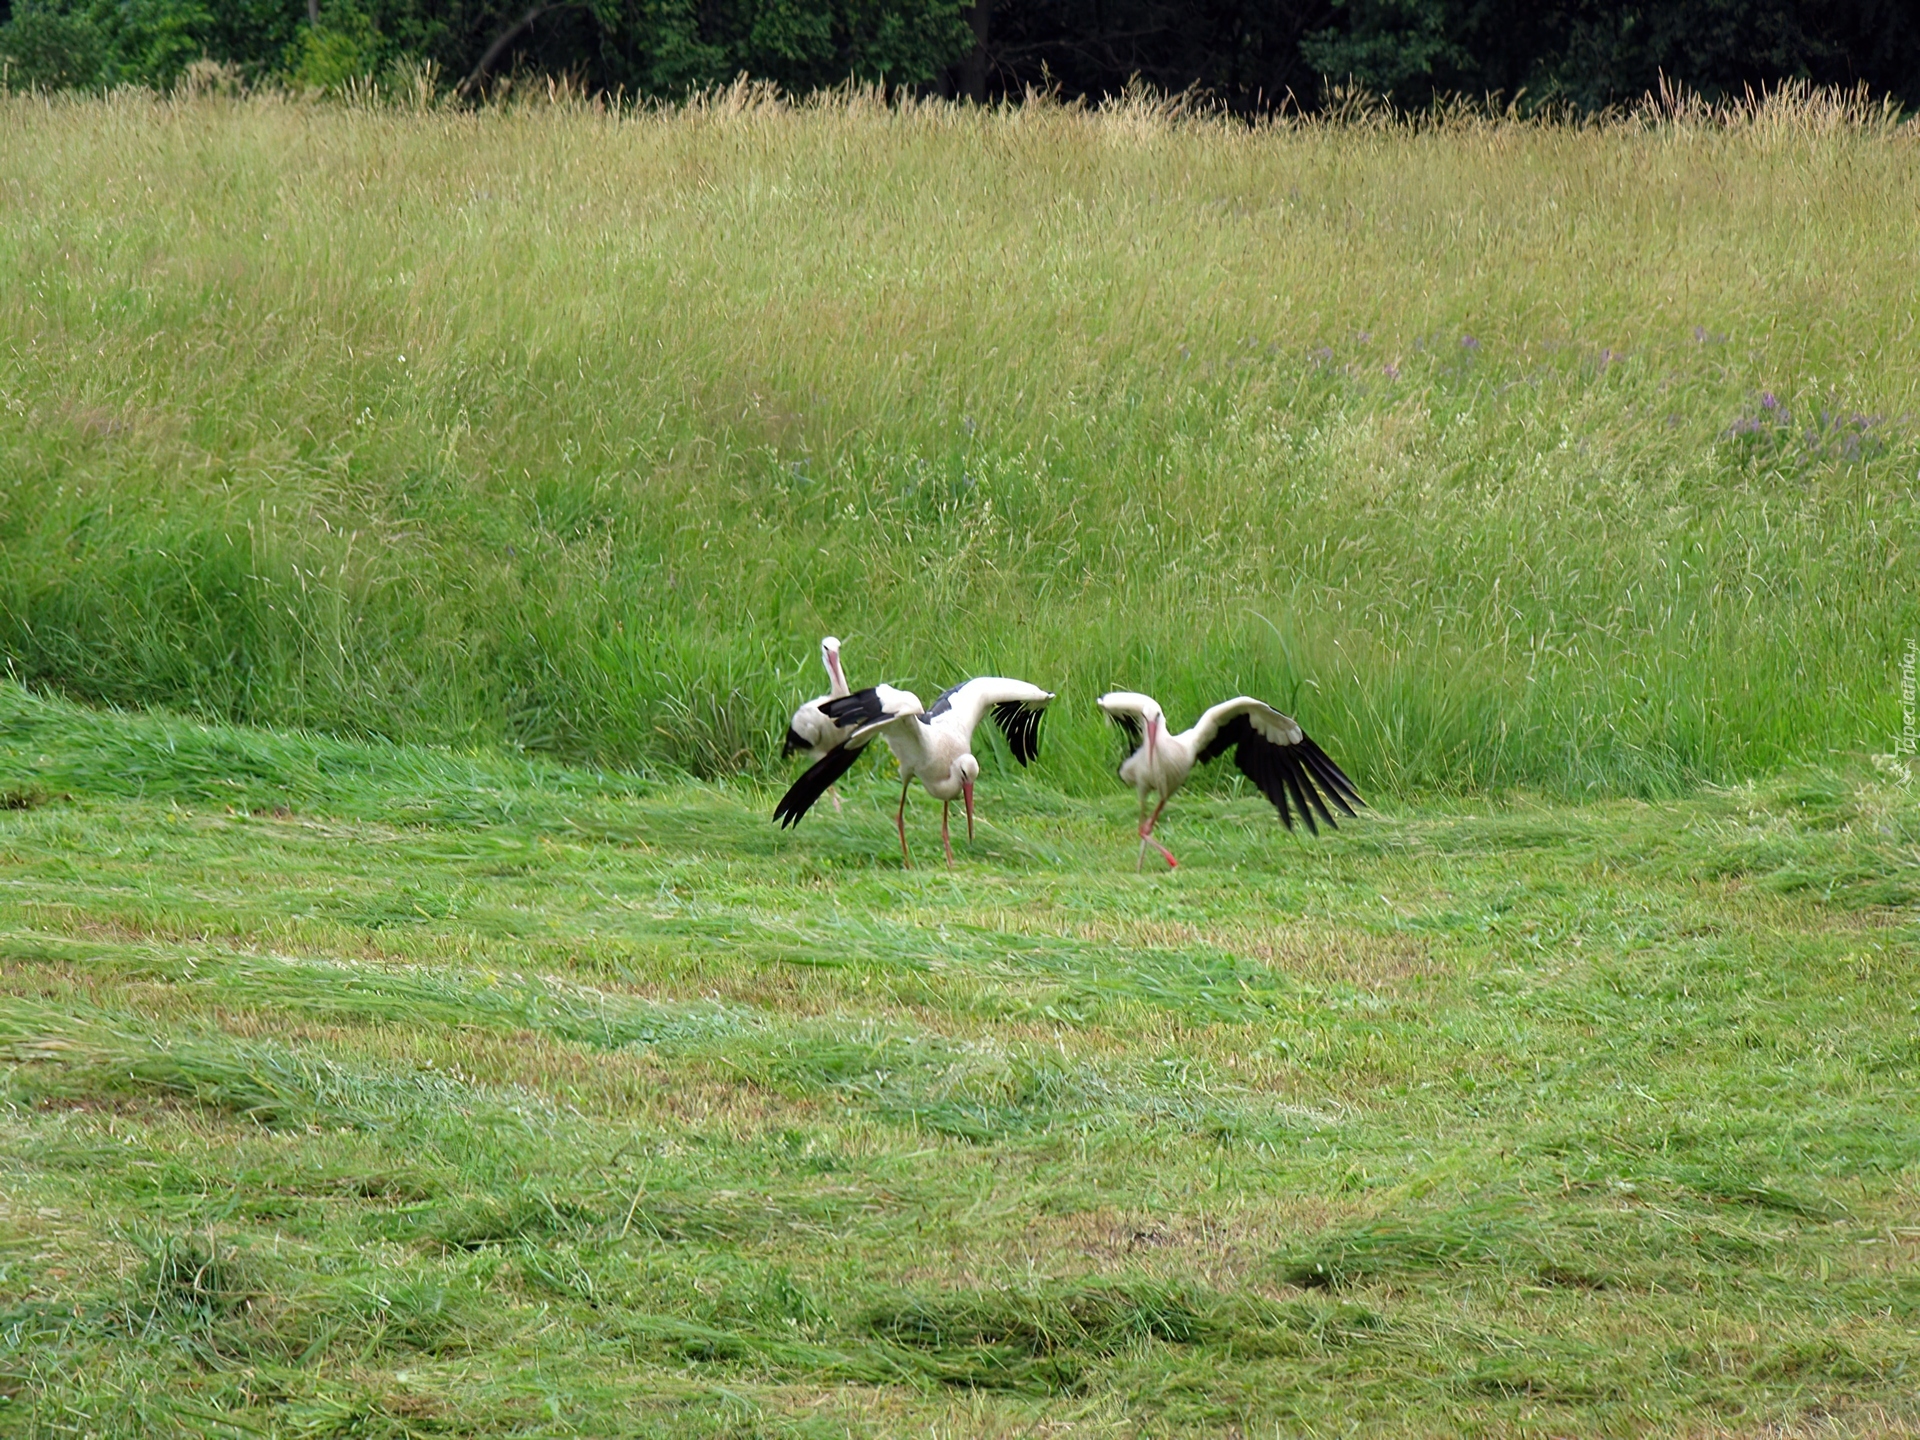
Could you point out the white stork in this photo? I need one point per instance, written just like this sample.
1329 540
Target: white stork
810 729
1270 748
933 746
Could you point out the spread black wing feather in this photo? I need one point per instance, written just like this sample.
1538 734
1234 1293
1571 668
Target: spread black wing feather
813 783
1022 726
862 707
1271 768
1332 778
1305 795
943 702
1129 724
1224 739
1286 774
794 742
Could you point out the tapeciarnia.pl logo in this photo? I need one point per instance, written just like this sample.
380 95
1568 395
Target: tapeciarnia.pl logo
1903 743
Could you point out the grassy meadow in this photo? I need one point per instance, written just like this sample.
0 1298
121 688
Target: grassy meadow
359 1090
417 524
1581 459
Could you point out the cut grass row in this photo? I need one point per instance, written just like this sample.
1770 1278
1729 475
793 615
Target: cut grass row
330 1113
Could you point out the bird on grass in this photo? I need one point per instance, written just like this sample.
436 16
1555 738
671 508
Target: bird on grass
933 746
1270 748
810 729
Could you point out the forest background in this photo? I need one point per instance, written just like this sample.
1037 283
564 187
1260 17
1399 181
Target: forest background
1252 56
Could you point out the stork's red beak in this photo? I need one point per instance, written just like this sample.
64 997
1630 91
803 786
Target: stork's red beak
1153 734
966 790
833 664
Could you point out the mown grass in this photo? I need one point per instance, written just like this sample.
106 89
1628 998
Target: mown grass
1573 458
561 1104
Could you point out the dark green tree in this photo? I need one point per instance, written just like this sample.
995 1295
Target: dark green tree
1243 53
1251 55
1589 55
670 47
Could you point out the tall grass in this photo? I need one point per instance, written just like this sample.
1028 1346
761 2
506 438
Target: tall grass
1505 453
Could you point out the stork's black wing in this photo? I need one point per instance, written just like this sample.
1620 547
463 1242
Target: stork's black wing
1330 775
1129 724
1286 774
943 702
862 707
1021 722
814 781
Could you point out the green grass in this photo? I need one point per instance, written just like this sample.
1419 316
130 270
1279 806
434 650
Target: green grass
370 1090
572 431
465 1052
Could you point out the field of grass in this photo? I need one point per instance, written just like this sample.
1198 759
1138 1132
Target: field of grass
433 1036
1579 459
360 1090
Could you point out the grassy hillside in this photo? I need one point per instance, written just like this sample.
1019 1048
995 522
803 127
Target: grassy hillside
359 1091
1582 459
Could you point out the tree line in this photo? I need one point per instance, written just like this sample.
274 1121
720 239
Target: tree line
1252 56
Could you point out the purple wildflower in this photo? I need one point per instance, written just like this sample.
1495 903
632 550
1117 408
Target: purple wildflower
1391 370
1768 400
1467 342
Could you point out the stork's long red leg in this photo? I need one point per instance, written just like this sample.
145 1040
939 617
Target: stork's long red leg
1146 835
900 820
1141 859
945 807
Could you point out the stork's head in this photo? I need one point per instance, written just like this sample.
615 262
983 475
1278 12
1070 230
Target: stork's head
968 769
830 657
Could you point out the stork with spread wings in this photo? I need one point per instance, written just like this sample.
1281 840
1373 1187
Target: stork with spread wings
1270 748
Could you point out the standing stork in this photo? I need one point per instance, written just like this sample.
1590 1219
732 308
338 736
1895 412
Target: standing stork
810 729
1270 748
933 746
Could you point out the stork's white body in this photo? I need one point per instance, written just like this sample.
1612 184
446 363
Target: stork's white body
811 730
1269 747
933 746
1164 760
